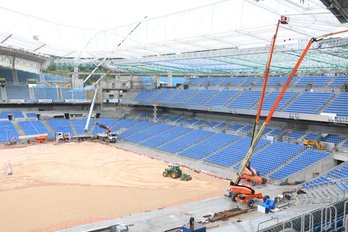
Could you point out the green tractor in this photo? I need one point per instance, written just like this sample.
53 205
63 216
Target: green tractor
173 170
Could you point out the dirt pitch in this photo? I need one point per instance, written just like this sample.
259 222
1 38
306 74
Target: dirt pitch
59 186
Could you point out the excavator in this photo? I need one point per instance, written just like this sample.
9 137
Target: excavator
108 136
310 143
243 193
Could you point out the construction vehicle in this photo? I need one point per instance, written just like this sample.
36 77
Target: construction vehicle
174 171
249 173
310 143
243 193
253 176
60 136
31 139
110 137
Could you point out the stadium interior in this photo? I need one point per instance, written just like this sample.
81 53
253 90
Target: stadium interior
195 105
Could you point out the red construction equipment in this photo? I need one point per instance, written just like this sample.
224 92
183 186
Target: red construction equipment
244 193
39 138
107 129
249 173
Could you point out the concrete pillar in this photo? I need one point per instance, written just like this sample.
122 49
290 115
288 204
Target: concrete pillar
155 81
14 71
75 77
170 79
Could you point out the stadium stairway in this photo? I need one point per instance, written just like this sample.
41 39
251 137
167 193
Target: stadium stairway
328 103
49 128
31 93
292 100
157 134
197 142
221 148
73 127
18 128
285 163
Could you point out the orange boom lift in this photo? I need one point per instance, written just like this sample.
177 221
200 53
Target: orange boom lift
244 193
249 173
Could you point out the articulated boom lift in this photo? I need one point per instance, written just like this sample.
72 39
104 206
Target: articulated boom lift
249 173
244 193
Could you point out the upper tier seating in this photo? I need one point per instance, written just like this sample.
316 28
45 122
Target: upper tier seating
271 98
339 106
245 100
339 81
180 97
55 79
45 92
73 94
7 74
314 80
24 76
161 96
61 126
34 127
201 97
309 102
302 161
17 92
221 98
7 130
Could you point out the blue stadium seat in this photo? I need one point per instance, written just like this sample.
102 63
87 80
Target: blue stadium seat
302 161
61 125
274 155
221 98
34 127
204 148
185 141
309 102
245 100
166 136
17 92
147 133
46 92
7 130
339 105
234 152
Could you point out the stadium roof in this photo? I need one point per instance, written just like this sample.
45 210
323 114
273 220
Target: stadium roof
175 42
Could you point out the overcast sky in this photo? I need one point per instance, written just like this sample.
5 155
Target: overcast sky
99 14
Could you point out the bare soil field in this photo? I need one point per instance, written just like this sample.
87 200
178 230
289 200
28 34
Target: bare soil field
59 186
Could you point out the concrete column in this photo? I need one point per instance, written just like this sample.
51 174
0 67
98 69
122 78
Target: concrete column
75 77
155 81
170 79
14 71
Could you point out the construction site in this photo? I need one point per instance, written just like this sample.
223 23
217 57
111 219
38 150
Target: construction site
219 116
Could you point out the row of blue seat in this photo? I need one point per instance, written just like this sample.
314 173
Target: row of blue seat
303 102
317 81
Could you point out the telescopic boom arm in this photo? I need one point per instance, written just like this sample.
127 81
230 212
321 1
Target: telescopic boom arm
236 179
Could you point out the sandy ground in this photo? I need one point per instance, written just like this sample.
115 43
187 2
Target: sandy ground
59 186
